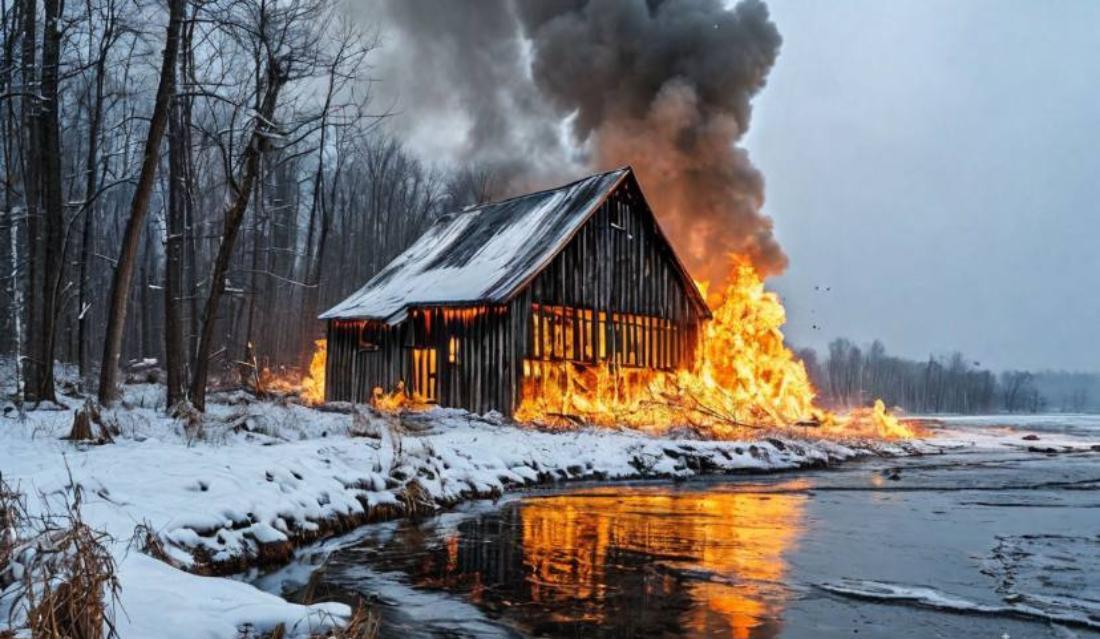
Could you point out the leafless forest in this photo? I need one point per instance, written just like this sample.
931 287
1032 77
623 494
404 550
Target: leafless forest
192 181
848 375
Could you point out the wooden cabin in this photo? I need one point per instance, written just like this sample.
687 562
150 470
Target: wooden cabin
579 274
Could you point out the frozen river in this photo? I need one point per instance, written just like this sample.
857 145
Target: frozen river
969 543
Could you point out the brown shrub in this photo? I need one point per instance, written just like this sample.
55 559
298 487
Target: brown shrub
148 541
67 586
363 624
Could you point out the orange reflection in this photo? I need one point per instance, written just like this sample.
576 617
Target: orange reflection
730 546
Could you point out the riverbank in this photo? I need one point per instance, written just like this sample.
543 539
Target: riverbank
984 543
255 480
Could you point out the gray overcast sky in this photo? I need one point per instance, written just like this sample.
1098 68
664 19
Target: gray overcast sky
937 164
934 163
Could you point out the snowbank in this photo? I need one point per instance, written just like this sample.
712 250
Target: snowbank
262 479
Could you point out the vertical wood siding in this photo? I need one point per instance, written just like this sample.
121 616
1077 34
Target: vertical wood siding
614 293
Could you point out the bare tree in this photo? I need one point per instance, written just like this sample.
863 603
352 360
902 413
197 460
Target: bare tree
260 142
1016 390
49 135
179 198
107 39
852 377
124 269
29 162
284 209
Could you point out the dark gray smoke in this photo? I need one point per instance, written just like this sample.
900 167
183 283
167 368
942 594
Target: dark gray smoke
664 86
456 73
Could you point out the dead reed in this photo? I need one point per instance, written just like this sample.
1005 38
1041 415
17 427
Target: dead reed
58 570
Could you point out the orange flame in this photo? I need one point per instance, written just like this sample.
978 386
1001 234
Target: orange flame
313 384
744 377
397 400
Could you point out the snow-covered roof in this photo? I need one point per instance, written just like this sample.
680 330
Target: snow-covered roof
482 254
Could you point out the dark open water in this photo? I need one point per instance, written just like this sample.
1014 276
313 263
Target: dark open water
954 545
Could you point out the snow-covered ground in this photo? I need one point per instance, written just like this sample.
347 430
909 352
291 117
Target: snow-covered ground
1076 425
264 477
1055 432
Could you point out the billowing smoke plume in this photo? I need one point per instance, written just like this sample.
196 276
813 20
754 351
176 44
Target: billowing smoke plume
662 85
457 75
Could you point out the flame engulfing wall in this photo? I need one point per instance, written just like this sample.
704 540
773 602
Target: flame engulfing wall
743 377
662 85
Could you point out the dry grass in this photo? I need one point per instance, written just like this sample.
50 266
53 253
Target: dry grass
192 420
148 541
12 511
59 569
417 500
364 622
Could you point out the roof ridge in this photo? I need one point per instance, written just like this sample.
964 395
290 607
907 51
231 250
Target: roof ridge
483 256
476 207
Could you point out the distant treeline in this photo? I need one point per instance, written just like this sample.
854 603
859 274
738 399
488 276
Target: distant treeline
848 375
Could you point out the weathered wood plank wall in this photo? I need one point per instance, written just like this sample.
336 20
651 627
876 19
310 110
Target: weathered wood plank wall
614 293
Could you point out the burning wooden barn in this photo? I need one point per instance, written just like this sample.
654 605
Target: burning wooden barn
491 299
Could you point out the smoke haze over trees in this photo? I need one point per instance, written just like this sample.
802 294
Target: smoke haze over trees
274 189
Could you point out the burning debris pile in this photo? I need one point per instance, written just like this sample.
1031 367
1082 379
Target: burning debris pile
308 386
744 377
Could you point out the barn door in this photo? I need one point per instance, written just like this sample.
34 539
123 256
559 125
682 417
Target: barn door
425 373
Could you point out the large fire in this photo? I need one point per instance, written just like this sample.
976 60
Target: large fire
743 377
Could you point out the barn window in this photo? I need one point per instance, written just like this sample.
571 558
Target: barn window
368 338
452 350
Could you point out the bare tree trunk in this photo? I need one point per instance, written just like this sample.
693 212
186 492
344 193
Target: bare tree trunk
52 198
258 213
124 270
31 191
90 185
190 241
234 215
10 26
314 255
179 136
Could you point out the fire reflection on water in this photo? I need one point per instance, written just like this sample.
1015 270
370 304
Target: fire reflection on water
625 561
